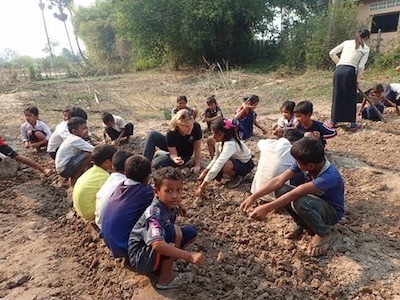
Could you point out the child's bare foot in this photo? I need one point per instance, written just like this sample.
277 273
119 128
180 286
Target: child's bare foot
319 245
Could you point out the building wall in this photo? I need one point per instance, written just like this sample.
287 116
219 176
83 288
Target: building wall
371 8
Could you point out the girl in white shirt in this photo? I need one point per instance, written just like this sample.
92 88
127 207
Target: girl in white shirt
232 156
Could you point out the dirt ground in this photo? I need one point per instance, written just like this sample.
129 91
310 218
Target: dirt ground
47 252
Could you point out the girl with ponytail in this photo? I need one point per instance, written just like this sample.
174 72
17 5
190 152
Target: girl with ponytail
232 156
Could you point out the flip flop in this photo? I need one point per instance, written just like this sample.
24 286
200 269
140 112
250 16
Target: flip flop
323 245
177 282
293 231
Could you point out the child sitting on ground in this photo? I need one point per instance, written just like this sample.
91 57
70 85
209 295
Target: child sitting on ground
392 94
8 151
116 178
61 132
316 205
127 205
155 241
35 133
287 121
74 154
212 112
116 128
247 117
232 157
181 103
378 100
303 112
90 182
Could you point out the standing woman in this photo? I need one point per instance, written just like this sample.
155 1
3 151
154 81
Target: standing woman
349 67
182 140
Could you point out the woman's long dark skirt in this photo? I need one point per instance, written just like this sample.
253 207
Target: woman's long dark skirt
344 102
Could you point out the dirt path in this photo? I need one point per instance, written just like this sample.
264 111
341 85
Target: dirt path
46 252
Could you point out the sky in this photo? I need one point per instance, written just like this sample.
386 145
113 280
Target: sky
22 29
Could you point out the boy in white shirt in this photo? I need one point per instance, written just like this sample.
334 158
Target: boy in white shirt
74 154
116 128
35 133
61 132
116 178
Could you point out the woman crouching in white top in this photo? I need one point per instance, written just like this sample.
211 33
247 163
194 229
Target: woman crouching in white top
232 156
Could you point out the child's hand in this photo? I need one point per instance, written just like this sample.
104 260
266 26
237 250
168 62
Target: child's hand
246 205
27 145
316 134
195 170
259 213
199 191
197 258
203 175
178 160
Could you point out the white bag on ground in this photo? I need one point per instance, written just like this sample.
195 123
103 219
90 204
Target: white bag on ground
275 158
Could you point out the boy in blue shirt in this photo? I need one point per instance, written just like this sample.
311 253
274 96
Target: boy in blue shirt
127 204
316 205
303 112
156 241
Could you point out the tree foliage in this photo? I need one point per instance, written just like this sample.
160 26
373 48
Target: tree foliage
309 42
189 30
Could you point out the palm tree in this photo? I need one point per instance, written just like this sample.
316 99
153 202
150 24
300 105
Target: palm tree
41 6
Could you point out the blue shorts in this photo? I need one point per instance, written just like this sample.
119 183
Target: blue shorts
73 165
147 260
242 169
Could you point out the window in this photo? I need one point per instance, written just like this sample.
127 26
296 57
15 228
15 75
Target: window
386 23
384 4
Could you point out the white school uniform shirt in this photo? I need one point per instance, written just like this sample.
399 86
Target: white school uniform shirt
59 135
103 196
39 126
230 150
72 146
275 158
350 56
120 123
395 87
287 124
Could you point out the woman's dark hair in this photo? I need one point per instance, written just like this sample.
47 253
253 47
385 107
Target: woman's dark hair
74 123
360 36
308 150
211 100
166 173
101 153
289 105
118 160
228 128
138 168
181 98
252 99
32 109
304 107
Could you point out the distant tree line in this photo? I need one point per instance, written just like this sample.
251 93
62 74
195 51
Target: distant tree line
125 35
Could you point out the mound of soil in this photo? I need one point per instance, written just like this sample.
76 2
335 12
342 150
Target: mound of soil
47 252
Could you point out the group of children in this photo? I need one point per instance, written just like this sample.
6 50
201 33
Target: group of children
138 221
